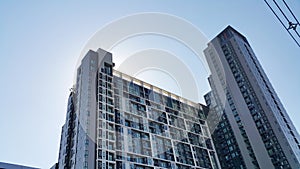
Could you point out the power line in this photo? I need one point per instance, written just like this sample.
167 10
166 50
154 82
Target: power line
290 11
291 25
281 10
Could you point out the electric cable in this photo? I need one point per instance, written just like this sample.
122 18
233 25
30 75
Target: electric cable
291 25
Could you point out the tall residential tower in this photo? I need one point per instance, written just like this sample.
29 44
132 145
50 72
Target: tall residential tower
249 125
116 121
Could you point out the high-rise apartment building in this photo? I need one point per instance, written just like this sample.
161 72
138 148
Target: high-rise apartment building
116 121
249 125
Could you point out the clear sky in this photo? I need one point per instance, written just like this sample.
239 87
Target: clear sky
40 43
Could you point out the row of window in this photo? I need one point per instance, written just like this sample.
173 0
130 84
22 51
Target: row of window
277 156
145 114
136 90
223 136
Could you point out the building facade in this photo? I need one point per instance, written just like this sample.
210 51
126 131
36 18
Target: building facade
249 125
13 166
116 121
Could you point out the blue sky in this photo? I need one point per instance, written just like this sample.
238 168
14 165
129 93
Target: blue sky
40 44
